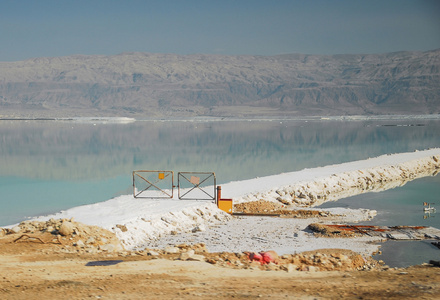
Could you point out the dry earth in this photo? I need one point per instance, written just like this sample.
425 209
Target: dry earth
64 259
262 207
38 271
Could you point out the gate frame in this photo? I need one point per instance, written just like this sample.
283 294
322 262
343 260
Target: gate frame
153 184
212 174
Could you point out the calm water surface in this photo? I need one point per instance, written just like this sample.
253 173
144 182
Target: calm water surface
48 166
402 206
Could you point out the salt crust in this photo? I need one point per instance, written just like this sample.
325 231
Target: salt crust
148 222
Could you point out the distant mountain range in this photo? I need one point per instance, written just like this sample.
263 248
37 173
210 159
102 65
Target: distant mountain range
169 85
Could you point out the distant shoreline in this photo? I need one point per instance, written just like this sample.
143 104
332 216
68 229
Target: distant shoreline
76 119
256 118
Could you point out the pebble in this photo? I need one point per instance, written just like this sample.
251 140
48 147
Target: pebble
79 243
153 253
198 228
107 247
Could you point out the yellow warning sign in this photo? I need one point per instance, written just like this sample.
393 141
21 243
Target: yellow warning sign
161 176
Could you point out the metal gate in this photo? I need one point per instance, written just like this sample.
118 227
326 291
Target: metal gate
160 184
153 184
196 185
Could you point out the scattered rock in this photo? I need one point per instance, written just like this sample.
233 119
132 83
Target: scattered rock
50 229
107 248
79 243
123 228
171 250
16 229
101 240
68 233
272 267
197 257
91 240
66 228
198 228
186 255
312 269
329 231
211 261
153 253
273 208
291 268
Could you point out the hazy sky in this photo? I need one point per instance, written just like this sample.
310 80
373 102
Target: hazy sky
34 28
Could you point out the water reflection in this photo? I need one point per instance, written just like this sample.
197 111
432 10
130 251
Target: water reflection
234 150
46 166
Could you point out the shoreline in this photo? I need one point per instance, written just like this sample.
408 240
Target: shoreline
336 186
118 119
139 222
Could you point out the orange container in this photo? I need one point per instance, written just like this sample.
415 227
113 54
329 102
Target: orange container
225 205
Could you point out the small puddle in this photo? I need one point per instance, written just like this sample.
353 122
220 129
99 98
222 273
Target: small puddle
402 254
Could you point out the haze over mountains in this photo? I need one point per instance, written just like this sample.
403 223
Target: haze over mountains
145 85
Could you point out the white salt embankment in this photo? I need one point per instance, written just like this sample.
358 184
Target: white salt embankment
142 222
336 186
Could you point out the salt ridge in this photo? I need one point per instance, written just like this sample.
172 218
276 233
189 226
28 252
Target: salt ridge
138 222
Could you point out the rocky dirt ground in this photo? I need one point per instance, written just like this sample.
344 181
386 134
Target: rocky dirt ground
262 207
66 259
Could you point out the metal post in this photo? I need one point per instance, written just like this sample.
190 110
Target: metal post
219 193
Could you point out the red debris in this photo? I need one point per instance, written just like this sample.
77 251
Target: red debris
264 257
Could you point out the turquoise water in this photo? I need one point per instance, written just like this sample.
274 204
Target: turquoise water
402 206
47 166
30 197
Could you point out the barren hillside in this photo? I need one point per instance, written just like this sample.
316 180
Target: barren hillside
160 85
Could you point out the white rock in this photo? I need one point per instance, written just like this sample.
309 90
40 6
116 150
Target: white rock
291 268
153 253
91 250
80 244
312 269
171 250
107 247
16 229
197 257
187 255
66 228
